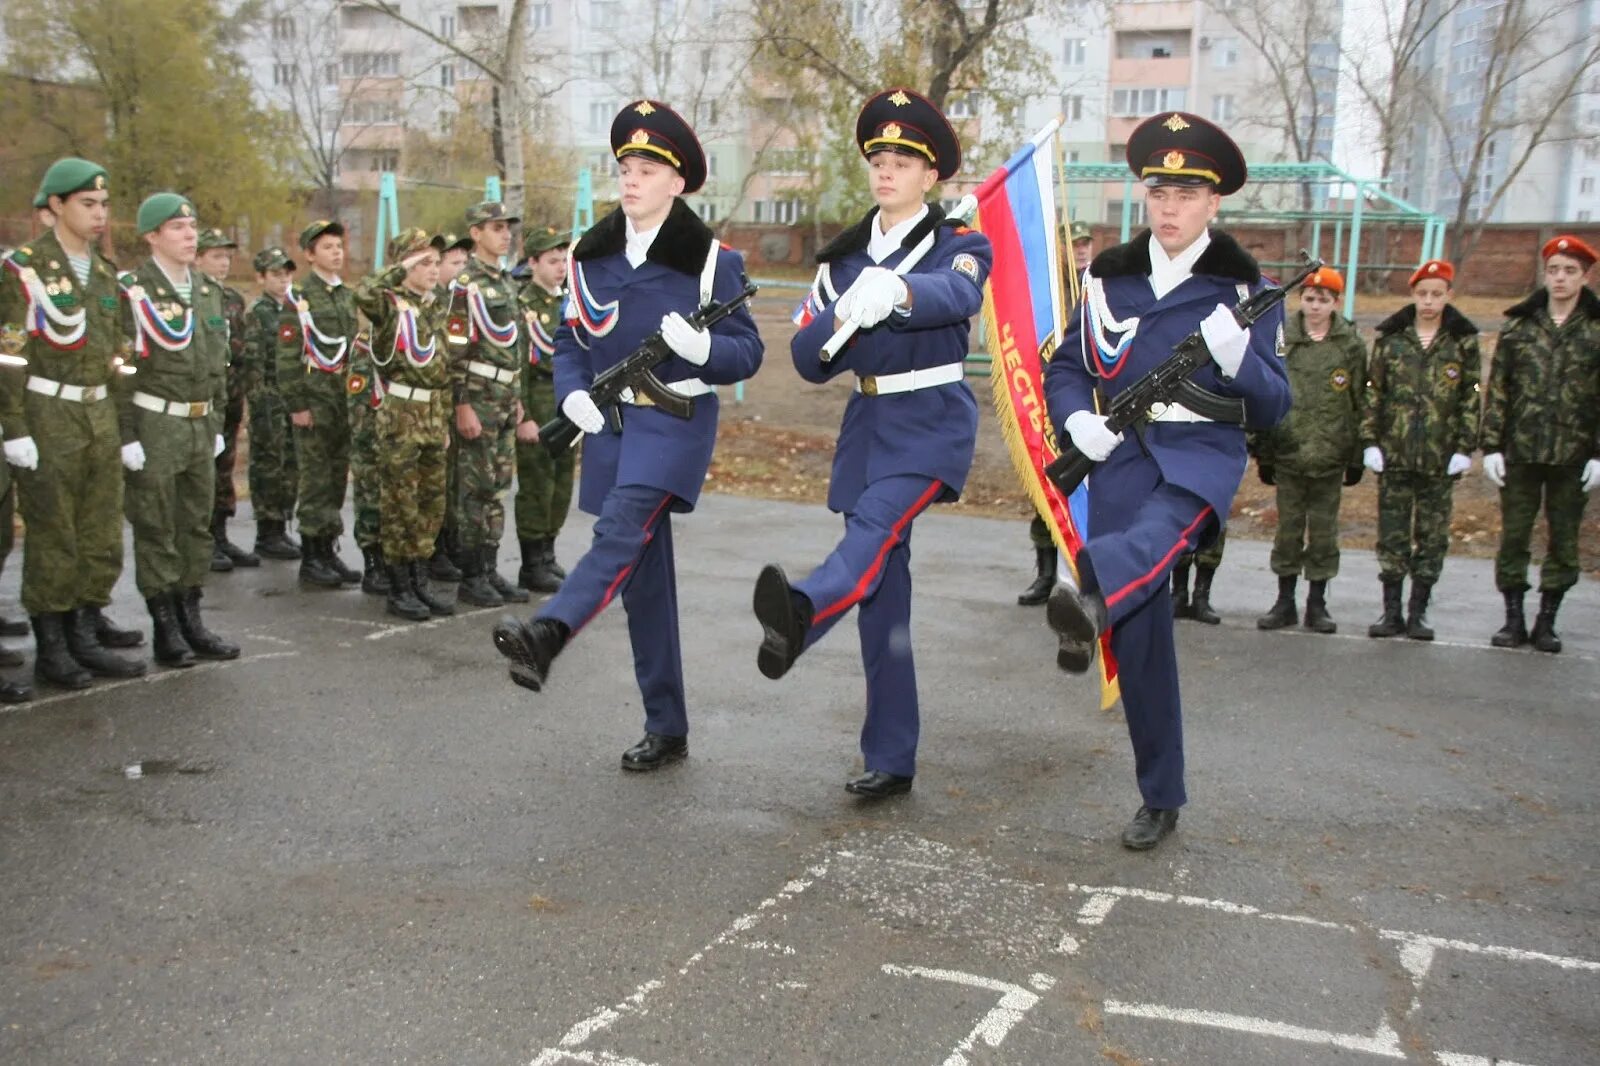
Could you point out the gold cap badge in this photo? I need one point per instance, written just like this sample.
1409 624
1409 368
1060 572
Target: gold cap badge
1175 123
899 98
99 181
184 210
644 108
640 137
1173 160
892 131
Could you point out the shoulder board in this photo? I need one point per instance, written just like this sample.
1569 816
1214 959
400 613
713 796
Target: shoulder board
959 228
21 256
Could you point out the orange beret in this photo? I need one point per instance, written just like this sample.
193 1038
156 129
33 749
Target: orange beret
1567 244
1433 268
1326 278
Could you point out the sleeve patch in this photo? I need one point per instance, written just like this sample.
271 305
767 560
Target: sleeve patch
967 265
286 333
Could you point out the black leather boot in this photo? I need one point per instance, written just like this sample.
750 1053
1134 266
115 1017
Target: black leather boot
112 635
1078 618
314 566
1044 578
52 663
84 646
15 691
273 542
330 555
1514 634
654 752
170 647
203 642
438 607
1180 590
531 646
1318 620
236 555
535 574
375 578
1201 605
506 590
1544 636
550 559
10 660
1283 613
10 628
441 567
402 599
1391 623
785 618
220 563
475 588
1417 627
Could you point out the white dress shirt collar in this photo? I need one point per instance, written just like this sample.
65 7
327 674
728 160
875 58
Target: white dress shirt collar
1166 273
881 245
639 242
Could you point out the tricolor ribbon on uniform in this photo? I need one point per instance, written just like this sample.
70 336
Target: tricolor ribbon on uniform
596 319
480 322
313 341
1096 324
406 341
60 329
544 344
150 326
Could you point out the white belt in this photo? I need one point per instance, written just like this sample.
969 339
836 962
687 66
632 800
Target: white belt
1175 412
406 392
911 380
181 408
490 371
75 393
688 387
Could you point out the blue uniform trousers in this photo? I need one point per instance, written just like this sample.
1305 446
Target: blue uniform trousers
1139 525
632 554
871 568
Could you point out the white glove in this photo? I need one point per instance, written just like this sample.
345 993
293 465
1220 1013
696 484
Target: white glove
23 452
1090 435
872 298
1372 459
1494 468
1591 475
133 456
583 413
693 345
216 448
1459 464
1226 340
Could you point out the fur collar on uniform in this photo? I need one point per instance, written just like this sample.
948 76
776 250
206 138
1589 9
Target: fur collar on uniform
1223 258
1588 303
854 238
1451 321
682 244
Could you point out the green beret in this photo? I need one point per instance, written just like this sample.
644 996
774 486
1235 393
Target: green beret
215 238
309 235
67 176
161 207
408 242
488 211
273 258
540 239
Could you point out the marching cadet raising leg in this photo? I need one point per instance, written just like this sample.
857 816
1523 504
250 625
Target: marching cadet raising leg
274 476
909 431
641 269
544 481
214 260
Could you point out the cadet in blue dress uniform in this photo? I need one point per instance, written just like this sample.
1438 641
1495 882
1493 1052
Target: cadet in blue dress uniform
643 267
1166 489
909 431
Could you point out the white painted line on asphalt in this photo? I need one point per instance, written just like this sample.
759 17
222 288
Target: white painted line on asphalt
1225 906
769 947
1386 1043
1068 945
148 679
992 1028
1450 1058
393 630
346 620
1096 907
591 1058
1566 962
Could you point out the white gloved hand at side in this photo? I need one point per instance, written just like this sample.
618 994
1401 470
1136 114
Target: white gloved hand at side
1226 340
1494 468
1090 435
217 446
579 407
133 456
872 298
1372 459
23 452
691 344
1459 464
1590 478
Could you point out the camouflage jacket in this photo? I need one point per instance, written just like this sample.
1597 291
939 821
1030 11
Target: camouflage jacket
233 310
1328 379
469 340
304 378
1543 402
195 372
260 353
1422 403
40 269
387 304
541 314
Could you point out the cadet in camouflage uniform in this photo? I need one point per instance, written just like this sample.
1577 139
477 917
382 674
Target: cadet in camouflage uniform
1314 452
1419 430
1541 435
171 415
274 476
484 313
454 250
364 400
544 482
215 260
62 338
315 334
1205 562
412 424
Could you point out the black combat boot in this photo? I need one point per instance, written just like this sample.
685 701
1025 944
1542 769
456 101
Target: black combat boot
84 646
531 646
475 588
785 617
330 555
1180 590
1283 613
201 640
550 559
1201 605
506 590
1044 578
437 607
441 567
52 662
273 542
1417 627
112 635
10 660
402 598
535 574
236 555
1318 620
15 691
1514 634
170 647
314 566
375 577
220 563
1078 619
1391 623
1544 636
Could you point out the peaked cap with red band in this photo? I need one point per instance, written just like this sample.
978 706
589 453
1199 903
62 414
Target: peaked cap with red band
1177 148
899 120
652 130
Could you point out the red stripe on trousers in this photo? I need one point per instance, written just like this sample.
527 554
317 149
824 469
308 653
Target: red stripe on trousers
1183 540
649 535
854 596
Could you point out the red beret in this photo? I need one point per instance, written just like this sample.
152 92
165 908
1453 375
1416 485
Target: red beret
1326 278
1433 268
1566 244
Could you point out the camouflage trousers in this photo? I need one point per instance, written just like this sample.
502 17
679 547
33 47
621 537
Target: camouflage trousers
411 440
227 499
323 454
365 480
169 503
71 505
1308 526
274 475
1413 524
1208 557
1564 501
484 467
544 482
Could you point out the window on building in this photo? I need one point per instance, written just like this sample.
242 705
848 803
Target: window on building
1072 107
788 161
1585 216
605 14
447 27
1223 108
1114 212
711 164
706 210
330 74
1151 44
370 64
479 20
539 16
1586 187
447 123
447 75
285 73
962 105
602 64
283 28
705 113
1075 52
1224 52
1072 155
663 66
860 16
1591 151
601 113
375 112
353 17
1134 103
381 161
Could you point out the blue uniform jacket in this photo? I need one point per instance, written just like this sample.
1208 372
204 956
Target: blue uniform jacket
1205 458
933 431
655 449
